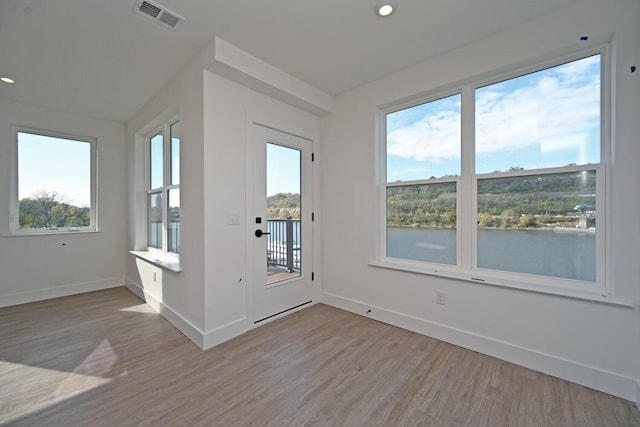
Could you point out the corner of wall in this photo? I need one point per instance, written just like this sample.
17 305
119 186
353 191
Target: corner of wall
204 340
183 325
224 333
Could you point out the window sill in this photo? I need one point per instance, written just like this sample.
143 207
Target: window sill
168 263
484 280
50 233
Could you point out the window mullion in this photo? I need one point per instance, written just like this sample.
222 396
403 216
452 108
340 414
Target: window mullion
382 189
602 242
603 197
166 180
467 230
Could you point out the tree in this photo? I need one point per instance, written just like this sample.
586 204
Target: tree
527 221
283 205
47 209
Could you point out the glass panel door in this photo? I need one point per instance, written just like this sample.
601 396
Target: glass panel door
281 228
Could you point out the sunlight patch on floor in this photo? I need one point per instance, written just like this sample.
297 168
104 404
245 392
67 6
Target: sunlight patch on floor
139 308
45 387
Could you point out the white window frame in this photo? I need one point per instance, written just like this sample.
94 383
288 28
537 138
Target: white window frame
165 130
467 230
14 225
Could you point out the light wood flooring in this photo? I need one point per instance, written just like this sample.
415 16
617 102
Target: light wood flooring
275 275
107 359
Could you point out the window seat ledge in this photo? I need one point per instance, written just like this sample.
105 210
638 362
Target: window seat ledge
168 264
487 280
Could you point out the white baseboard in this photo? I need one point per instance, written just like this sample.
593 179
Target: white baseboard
204 340
224 333
588 376
59 291
191 331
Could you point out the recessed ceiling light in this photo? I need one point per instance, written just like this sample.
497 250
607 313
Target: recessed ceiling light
385 8
7 79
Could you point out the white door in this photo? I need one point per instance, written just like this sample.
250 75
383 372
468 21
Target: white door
281 220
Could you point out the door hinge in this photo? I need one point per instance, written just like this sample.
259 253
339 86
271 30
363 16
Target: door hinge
313 216
313 276
313 157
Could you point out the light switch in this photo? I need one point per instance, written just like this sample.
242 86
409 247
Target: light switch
233 218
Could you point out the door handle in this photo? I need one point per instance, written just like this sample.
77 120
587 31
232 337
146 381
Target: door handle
259 233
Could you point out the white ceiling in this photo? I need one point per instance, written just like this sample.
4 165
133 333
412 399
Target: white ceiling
98 58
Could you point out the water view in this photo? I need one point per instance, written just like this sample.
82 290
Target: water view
564 254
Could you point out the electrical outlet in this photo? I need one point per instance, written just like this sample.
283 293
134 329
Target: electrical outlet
441 298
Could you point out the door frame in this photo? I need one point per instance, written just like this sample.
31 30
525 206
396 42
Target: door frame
251 121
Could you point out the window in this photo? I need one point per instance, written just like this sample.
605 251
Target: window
423 166
501 180
163 189
54 184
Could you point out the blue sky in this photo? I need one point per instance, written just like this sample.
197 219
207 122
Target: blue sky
157 157
54 164
283 170
545 119
157 163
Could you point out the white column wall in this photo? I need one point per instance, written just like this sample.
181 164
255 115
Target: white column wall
590 343
227 108
207 300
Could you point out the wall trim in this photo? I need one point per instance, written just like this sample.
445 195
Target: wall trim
204 340
224 333
183 325
231 62
588 376
59 291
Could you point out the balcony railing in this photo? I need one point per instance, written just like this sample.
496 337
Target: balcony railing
283 243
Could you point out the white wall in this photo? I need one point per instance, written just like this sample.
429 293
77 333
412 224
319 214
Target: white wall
228 106
178 296
591 343
207 300
39 267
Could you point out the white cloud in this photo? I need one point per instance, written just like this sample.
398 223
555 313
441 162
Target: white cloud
554 110
435 137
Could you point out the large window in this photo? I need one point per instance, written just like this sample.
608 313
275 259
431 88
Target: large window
163 189
504 179
54 187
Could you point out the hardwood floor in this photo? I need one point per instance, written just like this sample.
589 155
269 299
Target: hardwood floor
275 275
107 359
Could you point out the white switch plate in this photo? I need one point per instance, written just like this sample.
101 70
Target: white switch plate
233 218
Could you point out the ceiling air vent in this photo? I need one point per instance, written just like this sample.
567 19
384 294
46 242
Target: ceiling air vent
158 13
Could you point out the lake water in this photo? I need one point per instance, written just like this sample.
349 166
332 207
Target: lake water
567 254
